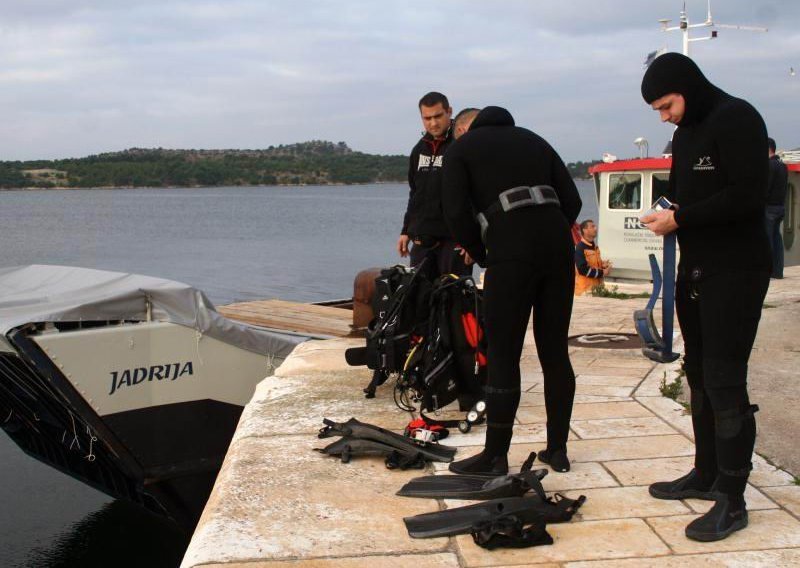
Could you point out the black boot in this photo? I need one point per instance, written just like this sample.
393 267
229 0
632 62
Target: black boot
728 515
690 486
556 459
489 466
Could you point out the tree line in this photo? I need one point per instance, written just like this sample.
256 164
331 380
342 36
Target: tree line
307 163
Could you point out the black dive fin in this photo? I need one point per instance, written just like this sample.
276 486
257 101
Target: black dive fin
347 448
475 487
355 429
461 520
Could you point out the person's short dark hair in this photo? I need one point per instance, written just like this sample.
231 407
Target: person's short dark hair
434 98
771 144
464 112
585 224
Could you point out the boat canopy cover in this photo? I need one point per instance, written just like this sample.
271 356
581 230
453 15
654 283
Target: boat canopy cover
43 293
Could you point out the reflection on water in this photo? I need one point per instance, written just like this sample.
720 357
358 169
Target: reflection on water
119 534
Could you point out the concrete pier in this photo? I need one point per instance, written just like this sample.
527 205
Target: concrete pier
277 503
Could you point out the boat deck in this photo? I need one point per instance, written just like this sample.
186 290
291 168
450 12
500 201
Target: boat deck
301 318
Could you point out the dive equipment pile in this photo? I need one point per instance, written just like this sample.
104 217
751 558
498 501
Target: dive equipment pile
360 439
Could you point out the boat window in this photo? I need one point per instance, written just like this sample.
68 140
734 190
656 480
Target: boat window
660 185
625 191
789 220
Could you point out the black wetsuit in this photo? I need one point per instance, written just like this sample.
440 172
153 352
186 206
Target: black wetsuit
719 181
423 221
776 211
529 260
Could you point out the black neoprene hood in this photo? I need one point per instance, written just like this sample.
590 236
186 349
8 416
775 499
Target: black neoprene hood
676 73
492 116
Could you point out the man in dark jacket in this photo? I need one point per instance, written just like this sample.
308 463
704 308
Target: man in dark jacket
424 228
718 183
528 253
776 207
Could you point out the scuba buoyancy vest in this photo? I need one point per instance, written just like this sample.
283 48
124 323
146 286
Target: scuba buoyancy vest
447 362
400 293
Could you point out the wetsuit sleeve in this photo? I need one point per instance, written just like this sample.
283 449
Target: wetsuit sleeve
741 140
565 188
413 159
582 265
457 207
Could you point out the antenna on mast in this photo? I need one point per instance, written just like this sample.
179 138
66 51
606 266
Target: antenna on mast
684 26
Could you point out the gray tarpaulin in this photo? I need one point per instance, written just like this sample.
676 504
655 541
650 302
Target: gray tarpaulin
44 293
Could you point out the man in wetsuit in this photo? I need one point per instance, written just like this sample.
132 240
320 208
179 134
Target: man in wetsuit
590 268
776 207
718 184
528 252
424 233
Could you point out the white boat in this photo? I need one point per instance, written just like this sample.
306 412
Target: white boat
131 384
627 188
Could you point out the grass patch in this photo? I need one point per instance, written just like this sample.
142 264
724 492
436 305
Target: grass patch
768 306
600 291
671 390
796 480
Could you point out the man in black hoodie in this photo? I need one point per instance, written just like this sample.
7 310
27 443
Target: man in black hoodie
718 184
528 253
776 207
424 229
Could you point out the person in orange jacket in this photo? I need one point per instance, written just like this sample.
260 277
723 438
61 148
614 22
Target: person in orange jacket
590 268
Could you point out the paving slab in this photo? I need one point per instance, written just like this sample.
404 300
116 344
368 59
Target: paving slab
671 411
593 390
588 411
573 541
782 558
626 502
647 471
621 427
597 378
765 474
787 497
630 448
766 529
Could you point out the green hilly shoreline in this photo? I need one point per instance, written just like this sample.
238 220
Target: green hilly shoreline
307 163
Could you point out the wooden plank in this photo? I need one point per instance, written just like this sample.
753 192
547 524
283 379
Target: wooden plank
292 316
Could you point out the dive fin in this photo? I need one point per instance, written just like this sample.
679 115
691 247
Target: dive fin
347 448
355 429
461 520
475 487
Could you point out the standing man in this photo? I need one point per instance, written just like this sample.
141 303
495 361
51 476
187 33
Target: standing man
528 202
590 268
776 207
718 184
424 229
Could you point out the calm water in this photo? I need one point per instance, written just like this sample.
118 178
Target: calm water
238 243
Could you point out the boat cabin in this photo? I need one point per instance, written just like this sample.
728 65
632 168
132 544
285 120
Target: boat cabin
625 191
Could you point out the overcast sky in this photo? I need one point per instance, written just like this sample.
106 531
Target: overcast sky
81 77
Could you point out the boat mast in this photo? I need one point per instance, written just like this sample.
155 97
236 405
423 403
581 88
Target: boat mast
684 26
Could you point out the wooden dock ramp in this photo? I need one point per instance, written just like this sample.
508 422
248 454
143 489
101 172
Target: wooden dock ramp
301 318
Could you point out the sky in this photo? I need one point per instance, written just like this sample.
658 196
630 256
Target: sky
91 76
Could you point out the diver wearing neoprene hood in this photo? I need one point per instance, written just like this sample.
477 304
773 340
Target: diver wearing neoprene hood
528 253
718 182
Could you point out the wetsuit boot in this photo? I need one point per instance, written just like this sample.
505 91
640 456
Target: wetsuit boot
481 464
728 515
693 485
557 459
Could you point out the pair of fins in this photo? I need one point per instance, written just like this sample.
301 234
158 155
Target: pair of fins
505 503
361 439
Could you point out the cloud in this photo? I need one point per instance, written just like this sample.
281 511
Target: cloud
91 76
